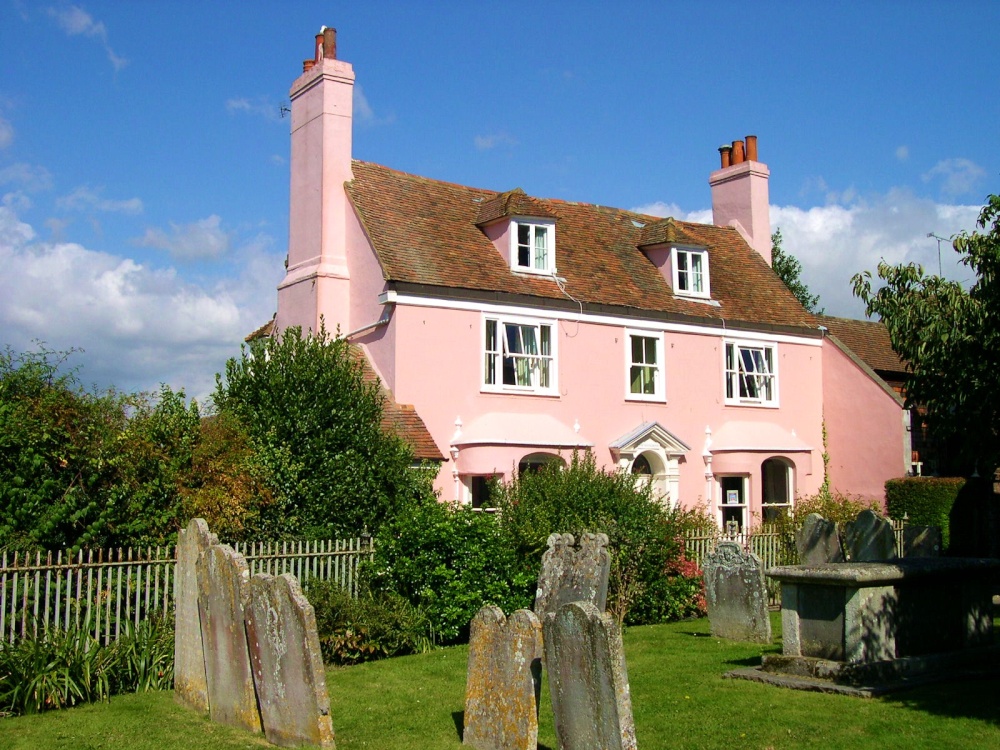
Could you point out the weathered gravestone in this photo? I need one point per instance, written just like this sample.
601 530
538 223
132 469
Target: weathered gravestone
503 681
817 541
572 575
588 680
223 578
287 664
736 594
921 541
190 681
869 538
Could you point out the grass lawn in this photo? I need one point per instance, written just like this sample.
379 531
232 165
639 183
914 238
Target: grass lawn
678 697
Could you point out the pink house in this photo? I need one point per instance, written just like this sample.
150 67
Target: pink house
521 329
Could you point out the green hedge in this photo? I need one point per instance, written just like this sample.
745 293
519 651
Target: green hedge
926 501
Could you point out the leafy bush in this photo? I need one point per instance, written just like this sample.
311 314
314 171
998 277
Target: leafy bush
142 659
314 422
59 668
372 626
926 501
83 468
648 581
451 561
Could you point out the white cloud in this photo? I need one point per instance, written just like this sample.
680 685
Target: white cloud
6 133
201 239
26 176
137 326
836 241
75 21
85 198
958 176
903 153
493 140
659 208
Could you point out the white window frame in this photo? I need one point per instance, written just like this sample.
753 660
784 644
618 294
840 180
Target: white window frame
546 265
736 374
659 388
493 355
789 501
689 257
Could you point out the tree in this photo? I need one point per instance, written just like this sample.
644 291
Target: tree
315 424
789 270
950 339
87 468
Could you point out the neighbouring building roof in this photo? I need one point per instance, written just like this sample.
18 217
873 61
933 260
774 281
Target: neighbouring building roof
425 233
869 340
401 419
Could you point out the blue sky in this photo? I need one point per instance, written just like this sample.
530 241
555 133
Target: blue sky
144 163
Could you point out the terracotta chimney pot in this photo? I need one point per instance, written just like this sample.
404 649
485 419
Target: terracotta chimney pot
751 148
308 65
726 153
330 43
318 53
738 157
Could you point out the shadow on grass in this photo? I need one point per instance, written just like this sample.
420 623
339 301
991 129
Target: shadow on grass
459 718
971 698
750 661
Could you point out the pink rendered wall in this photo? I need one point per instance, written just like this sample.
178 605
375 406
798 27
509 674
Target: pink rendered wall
865 430
438 370
740 194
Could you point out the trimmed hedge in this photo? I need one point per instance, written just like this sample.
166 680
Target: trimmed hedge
927 501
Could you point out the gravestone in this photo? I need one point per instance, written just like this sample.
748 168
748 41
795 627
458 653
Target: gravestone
736 593
556 562
571 575
817 541
287 664
921 541
869 538
223 579
190 682
588 680
503 681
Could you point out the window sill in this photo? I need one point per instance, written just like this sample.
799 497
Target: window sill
705 300
654 399
753 404
519 392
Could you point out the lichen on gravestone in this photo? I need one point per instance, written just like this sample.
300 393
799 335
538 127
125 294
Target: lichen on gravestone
287 665
223 579
503 681
588 679
569 574
736 592
190 680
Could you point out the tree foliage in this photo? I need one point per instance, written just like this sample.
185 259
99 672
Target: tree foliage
650 580
87 468
789 270
314 423
949 337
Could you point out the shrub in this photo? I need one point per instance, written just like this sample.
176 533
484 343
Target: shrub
648 583
57 668
450 561
926 501
372 626
314 423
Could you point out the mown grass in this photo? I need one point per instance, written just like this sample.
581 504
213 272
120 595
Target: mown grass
679 698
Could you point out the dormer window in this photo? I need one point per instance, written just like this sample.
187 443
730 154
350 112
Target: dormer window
690 272
533 246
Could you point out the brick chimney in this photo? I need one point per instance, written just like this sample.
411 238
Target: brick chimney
739 194
316 280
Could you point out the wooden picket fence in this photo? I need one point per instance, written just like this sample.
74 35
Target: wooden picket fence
104 589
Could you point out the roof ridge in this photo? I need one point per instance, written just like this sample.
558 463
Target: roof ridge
421 178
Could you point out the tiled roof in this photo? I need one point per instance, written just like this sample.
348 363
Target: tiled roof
425 232
263 332
512 203
664 232
868 339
